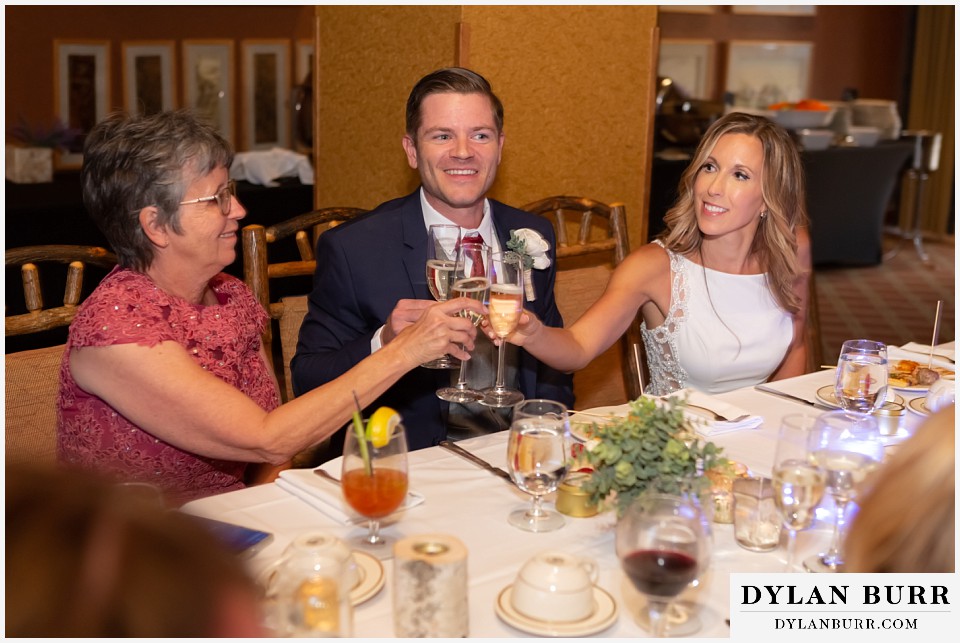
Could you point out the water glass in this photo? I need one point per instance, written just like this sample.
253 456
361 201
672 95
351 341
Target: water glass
861 383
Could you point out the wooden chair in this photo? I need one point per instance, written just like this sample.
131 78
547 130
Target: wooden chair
32 380
813 339
591 242
258 271
37 318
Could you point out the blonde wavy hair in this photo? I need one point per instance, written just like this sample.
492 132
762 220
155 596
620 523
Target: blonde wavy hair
784 193
906 519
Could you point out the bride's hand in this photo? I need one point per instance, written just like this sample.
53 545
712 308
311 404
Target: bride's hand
528 326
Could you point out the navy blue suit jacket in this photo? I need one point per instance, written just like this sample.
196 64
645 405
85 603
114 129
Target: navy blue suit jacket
364 267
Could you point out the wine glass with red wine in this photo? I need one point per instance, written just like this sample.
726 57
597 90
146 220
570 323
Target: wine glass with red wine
663 546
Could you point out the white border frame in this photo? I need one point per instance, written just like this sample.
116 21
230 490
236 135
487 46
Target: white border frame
220 54
281 49
136 49
688 8
760 73
62 50
690 64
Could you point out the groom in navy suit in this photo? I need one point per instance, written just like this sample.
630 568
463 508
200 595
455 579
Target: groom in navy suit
370 281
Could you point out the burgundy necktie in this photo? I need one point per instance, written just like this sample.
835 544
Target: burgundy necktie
478 269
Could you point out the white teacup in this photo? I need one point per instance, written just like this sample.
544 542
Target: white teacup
555 587
942 393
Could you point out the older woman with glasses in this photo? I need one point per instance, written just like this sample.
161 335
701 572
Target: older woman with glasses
164 376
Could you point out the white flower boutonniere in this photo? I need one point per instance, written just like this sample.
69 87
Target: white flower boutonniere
532 249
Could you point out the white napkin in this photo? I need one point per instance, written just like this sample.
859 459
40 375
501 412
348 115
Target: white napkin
920 353
265 166
327 497
708 427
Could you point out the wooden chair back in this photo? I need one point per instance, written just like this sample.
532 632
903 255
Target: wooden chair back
32 380
591 242
38 318
813 339
258 270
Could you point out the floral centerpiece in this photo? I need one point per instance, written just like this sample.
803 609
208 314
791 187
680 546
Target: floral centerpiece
653 447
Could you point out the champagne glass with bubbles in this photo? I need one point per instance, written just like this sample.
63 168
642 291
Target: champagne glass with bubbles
442 243
861 384
505 305
847 447
471 279
798 483
538 451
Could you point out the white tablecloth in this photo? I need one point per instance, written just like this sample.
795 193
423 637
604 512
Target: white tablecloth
471 504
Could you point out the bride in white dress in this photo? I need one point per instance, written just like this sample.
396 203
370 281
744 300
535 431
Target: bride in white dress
723 291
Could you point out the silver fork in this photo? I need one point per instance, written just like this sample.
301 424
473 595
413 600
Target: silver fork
326 476
718 416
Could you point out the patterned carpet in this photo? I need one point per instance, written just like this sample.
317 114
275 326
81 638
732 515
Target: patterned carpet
894 302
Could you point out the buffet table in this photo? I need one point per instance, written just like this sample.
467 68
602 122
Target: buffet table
469 503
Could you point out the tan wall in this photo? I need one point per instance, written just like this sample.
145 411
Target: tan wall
368 58
549 65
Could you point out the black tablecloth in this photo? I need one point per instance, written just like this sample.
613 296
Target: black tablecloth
848 192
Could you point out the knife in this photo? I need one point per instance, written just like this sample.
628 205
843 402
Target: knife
455 448
786 395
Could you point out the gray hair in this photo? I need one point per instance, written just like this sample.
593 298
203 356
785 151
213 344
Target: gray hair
131 162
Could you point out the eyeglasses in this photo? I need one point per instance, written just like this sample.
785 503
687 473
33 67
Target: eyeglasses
224 198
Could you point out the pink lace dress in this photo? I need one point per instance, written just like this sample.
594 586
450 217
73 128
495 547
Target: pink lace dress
127 307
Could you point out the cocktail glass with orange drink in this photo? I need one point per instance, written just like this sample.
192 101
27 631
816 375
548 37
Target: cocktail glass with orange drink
374 474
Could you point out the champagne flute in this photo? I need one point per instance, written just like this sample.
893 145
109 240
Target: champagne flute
861 384
847 447
505 306
374 482
663 547
442 243
471 279
538 451
798 484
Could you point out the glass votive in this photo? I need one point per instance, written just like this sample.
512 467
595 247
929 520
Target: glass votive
888 418
756 521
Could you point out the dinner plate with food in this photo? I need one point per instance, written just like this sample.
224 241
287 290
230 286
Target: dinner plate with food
828 395
912 377
582 423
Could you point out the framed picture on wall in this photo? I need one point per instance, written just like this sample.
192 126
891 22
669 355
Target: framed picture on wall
208 82
689 64
81 90
148 76
763 73
304 61
266 90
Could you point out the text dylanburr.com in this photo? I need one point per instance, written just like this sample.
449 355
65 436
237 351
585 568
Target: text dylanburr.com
904 607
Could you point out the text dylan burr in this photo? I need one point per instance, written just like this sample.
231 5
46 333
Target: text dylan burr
838 595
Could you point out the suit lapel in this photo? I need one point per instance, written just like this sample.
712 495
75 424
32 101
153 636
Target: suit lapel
414 245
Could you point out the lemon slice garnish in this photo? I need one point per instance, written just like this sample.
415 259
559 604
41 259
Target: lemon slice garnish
380 426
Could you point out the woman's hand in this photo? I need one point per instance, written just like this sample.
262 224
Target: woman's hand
528 326
439 331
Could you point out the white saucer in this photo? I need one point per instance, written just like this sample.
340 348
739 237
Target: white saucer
919 406
828 395
603 617
371 580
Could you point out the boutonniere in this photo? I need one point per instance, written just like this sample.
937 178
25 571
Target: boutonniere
532 249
